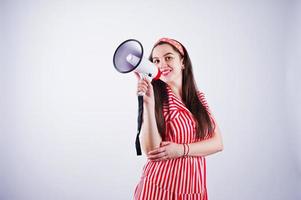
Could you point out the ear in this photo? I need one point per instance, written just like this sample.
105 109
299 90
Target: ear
182 60
182 63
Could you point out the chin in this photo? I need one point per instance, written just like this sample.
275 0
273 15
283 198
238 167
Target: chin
165 80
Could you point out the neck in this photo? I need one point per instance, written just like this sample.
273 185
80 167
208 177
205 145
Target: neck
176 88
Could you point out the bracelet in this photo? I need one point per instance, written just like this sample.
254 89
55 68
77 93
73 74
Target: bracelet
188 149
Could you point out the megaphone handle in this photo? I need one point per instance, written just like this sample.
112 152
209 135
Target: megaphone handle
141 77
139 121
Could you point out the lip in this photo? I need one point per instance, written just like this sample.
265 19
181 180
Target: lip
165 72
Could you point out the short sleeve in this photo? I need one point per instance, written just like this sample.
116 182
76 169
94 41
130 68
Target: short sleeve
203 101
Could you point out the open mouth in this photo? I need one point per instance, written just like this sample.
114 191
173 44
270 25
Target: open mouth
165 72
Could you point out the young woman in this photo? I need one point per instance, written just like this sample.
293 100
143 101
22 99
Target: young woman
178 129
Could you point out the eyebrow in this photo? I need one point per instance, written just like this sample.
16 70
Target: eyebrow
165 55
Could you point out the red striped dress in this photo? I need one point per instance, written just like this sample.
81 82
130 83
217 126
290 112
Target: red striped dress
180 178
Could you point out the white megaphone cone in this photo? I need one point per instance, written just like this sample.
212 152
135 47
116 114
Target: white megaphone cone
144 67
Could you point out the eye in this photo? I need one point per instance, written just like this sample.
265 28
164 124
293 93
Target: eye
155 61
167 58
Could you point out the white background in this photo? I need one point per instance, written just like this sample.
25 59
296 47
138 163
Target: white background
68 118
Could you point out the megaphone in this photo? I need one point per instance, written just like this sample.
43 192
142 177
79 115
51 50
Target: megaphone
128 57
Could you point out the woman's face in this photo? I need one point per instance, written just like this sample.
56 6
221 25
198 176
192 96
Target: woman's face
169 63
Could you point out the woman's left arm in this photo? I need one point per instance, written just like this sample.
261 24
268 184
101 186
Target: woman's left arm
208 146
170 150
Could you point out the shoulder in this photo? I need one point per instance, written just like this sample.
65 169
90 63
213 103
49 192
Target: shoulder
201 96
200 93
203 101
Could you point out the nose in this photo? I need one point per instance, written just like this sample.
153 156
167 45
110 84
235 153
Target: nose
162 64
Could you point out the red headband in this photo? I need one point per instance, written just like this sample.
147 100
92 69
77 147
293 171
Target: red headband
174 43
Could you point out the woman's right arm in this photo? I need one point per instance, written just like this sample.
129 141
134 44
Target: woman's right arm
150 138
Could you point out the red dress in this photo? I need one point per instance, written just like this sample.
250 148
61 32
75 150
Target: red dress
180 178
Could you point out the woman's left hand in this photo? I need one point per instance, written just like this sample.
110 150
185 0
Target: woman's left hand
167 150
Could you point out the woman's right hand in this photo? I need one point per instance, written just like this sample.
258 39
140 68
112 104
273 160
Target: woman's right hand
146 87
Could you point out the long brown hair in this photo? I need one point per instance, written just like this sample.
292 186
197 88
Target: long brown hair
204 125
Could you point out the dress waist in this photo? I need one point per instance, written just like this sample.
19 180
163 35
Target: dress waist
185 174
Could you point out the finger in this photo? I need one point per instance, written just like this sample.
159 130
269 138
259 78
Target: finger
137 75
142 87
164 143
149 83
143 82
156 151
157 156
142 90
146 79
161 159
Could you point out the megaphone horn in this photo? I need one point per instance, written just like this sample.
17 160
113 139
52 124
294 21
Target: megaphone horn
128 57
